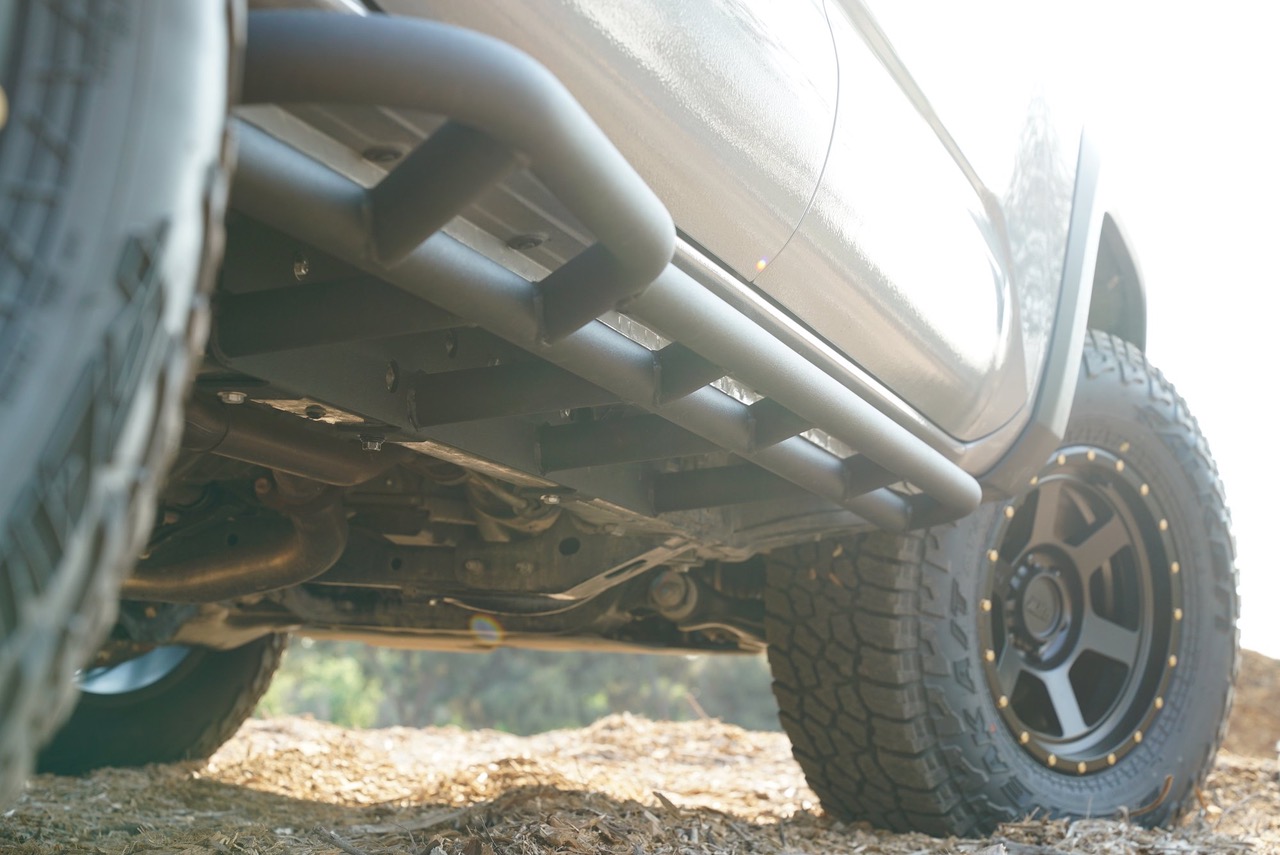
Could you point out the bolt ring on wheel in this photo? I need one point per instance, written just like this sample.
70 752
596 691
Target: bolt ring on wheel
1082 612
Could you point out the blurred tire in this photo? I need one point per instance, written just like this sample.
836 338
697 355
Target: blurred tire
180 706
113 167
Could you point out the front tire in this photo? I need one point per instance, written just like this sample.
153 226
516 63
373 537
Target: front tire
113 174
1070 653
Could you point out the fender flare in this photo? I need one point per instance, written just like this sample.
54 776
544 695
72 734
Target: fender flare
1118 304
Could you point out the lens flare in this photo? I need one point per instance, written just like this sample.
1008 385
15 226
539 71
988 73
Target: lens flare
486 629
762 264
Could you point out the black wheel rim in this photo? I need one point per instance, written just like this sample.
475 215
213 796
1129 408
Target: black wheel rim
1081 612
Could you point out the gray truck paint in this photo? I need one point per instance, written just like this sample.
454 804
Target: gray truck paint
940 281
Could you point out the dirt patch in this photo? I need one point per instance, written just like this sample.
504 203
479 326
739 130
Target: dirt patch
1255 718
624 785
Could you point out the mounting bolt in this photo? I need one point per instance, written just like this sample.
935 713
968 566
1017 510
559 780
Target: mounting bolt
1137 736
233 397
473 565
985 605
372 441
549 499
1024 737
301 266
1111 759
1081 768
262 486
315 412
1052 760
1002 701
529 241
1159 703
381 154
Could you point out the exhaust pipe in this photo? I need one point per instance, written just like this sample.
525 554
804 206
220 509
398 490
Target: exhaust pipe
249 556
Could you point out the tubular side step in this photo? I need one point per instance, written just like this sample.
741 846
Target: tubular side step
505 110
480 83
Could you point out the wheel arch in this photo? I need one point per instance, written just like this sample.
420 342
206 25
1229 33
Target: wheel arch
1118 302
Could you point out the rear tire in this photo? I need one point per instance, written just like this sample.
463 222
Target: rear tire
197 703
112 185
1075 662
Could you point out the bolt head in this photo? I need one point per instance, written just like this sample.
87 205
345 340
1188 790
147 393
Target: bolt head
527 241
381 154
233 397
550 499
301 267
371 442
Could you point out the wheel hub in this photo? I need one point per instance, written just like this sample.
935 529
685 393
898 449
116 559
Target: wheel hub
1043 608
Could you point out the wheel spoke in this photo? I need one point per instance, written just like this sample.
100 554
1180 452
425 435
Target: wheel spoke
1100 546
1063 698
1009 668
1109 639
1044 526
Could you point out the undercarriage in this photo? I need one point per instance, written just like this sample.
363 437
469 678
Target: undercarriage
446 401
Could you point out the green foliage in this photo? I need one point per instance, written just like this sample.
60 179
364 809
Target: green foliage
332 687
521 691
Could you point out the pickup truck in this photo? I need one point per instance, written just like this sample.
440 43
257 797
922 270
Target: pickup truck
724 326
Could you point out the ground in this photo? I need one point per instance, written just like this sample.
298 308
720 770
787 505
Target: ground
623 785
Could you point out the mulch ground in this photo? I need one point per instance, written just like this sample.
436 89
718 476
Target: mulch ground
624 785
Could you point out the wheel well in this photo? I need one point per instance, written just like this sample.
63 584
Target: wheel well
1118 304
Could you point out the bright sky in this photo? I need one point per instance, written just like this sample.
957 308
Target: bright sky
1191 117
